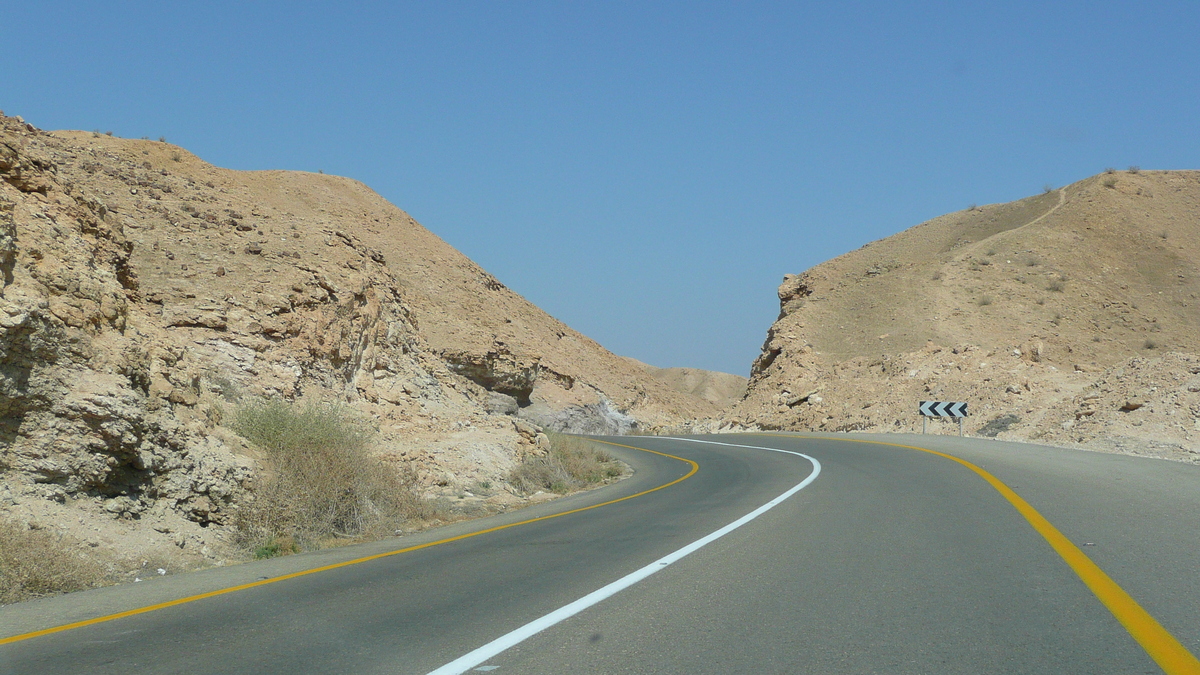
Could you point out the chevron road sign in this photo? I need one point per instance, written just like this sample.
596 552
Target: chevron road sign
943 409
957 410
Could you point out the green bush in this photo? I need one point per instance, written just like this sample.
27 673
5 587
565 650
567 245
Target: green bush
276 546
321 484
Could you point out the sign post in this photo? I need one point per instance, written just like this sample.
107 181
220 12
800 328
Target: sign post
957 410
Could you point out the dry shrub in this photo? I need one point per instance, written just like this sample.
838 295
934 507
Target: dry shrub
35 563
573 463
322 484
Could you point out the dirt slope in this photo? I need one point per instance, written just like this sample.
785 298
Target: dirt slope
1047 315
146 292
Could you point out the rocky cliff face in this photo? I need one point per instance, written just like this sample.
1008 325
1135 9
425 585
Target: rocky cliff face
1070 317
146 291
87 398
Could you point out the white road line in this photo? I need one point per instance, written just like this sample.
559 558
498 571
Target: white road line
516 637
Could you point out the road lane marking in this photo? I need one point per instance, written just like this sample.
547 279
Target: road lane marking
1158 642
263 582
513 638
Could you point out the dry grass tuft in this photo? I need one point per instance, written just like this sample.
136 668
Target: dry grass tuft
322 486
572 464
36 563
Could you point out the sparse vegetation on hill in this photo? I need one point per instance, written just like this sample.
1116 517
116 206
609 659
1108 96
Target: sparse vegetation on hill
571 464
323 485
35 563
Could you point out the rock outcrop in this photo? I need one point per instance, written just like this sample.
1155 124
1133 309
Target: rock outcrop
146 292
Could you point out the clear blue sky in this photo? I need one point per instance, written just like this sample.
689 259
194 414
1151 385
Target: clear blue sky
646 172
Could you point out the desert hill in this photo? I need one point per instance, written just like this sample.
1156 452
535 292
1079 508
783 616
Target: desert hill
146 293
1048 315
720 389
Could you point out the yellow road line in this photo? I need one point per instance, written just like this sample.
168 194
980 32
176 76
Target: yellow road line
356 561
1170 655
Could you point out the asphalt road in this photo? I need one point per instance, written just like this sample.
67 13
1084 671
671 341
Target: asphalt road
892 560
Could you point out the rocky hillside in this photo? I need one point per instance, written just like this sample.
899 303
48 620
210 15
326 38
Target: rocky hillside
146 293
1069 317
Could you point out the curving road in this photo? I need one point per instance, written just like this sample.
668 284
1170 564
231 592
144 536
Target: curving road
890 560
